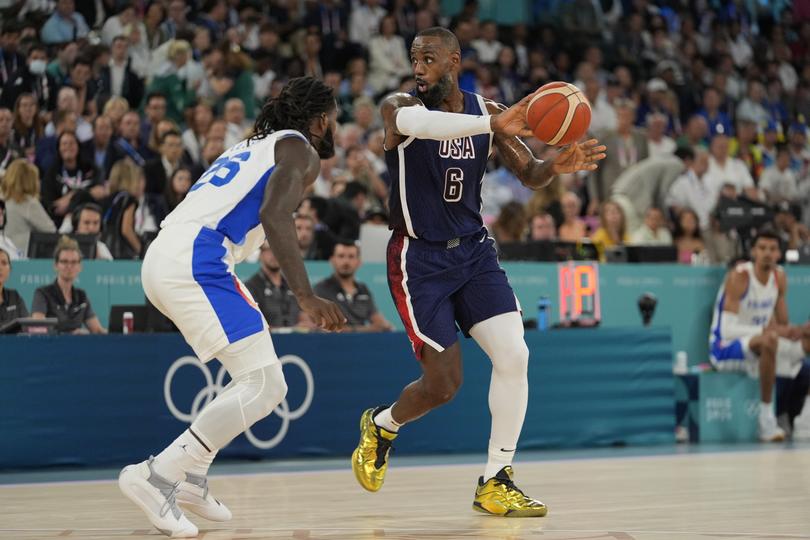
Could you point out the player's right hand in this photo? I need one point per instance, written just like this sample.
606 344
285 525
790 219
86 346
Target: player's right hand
323 313
513 121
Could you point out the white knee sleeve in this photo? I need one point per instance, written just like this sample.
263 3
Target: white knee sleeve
248 398
501 337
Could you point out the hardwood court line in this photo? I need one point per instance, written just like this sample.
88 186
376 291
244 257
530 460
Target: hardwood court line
260 530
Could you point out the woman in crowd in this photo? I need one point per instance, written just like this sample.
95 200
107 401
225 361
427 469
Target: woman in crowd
612 231
12 305
688 238
194 136
573 228
120 231
24 212
177 187
67 176
510 226
27 128
68 304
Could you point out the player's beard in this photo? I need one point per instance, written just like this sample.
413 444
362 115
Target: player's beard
326 144
436 94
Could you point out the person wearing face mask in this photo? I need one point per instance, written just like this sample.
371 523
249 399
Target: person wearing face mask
31 78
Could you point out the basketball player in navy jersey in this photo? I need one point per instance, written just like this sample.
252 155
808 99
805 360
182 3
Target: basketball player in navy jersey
443 270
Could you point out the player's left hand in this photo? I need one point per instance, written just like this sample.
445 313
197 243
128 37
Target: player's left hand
579 157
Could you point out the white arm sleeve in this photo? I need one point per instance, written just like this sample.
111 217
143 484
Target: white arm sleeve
732 328
417 121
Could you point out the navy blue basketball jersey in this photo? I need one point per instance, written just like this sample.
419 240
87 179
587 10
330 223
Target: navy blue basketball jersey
436 185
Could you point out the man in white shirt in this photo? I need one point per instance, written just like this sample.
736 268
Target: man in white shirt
727 170
365 22
89 222
652 232
488 47
658 144
692 190
778 182
234 115
603 115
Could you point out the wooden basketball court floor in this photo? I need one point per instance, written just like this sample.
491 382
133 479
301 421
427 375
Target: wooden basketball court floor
665 494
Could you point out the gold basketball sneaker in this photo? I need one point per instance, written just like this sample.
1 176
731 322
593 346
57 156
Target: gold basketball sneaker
370 458
499 496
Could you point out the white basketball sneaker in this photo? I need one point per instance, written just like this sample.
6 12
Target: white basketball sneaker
157 497
801 426
193 495
769 430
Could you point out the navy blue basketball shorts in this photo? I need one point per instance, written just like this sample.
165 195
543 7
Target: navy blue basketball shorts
439 288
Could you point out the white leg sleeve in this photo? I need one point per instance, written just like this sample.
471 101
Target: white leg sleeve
501 337
258 386
789 357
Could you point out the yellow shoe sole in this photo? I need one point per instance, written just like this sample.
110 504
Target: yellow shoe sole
539 512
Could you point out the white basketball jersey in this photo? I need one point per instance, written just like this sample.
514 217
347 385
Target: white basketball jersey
756 305
228 196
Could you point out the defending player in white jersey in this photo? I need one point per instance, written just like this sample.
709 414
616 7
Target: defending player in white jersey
750 328
249 193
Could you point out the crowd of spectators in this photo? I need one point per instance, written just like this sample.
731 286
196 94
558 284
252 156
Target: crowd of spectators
111 109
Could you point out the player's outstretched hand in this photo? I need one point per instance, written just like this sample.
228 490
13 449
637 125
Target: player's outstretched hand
323 313
512 121
579 157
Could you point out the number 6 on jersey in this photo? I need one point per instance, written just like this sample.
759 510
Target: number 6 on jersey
453 184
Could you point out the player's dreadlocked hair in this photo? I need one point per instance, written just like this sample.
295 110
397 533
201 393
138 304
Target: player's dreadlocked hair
301 100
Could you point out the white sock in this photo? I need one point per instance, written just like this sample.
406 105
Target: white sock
497 459
765 409
185 454
384 420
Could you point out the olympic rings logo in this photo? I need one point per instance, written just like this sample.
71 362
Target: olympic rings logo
215 386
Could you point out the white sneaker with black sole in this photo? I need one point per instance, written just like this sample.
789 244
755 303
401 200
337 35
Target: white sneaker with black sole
193 495
157 497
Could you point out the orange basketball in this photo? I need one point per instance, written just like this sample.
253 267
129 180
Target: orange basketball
559 114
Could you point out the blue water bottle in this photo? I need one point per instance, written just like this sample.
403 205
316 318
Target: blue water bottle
543 313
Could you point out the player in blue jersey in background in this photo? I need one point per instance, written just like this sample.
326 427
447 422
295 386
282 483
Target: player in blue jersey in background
443 269
248 194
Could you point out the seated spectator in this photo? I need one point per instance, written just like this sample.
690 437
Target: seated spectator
305 231
65 24
129 144
87 220
510 225
68 304
353 297
68 100
31 79
270 291
212 149
69 175
115 109
194 137
59 67
8 150
612 231
722 247
658 144
117 78
767 148
724 169
389 60
27 128
792 232
24 212
778 182
541 227
692 190
177 187
653 232
12 306
171 80
572 229
695 134
751 332
99 150
345 211
81 81
5 242
237 125
688 238
127 183
159 170
360 169
717 120
324 240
